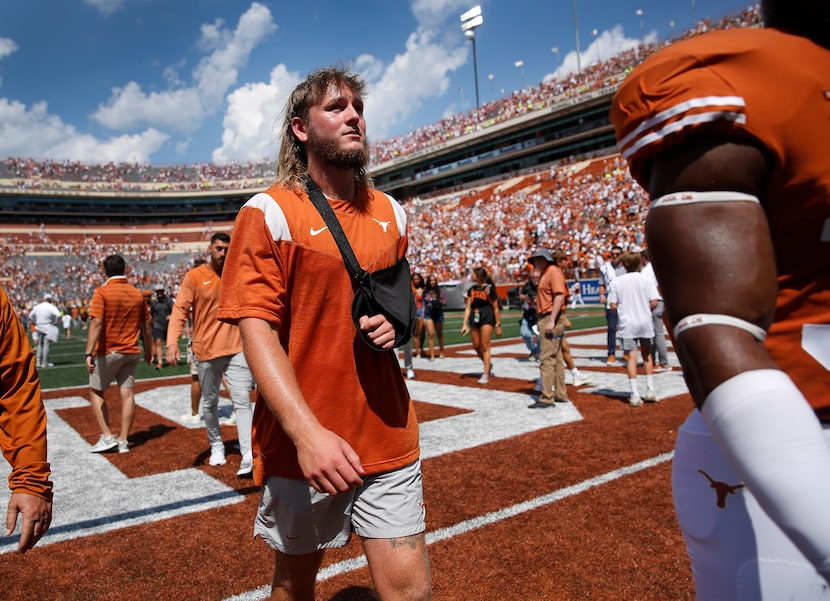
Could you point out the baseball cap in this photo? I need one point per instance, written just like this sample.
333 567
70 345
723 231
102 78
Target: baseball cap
543 253
47 296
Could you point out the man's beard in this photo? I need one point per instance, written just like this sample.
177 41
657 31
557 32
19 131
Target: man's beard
327 149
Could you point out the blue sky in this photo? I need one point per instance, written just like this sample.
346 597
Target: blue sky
187 81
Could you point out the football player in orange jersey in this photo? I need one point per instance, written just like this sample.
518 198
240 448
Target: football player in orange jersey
738 169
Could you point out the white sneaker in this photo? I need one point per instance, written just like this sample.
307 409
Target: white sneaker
483 379
650 396
230 420
246 467
582 380
635 401
217 456
410 374
189 418
105 443
123 446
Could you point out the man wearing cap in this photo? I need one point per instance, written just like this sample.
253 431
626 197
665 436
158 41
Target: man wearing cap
550 304
160 311
44 319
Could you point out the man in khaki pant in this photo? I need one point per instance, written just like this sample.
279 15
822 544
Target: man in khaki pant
550 304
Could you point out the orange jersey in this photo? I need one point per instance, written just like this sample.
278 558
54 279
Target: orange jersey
212 338
774 89
284 267
22 416
123 312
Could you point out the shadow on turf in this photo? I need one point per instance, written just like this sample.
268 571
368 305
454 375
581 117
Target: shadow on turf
355 593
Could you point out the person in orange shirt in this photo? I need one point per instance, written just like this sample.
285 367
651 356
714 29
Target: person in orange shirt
119 316
23 423
217 352
551 300
336 433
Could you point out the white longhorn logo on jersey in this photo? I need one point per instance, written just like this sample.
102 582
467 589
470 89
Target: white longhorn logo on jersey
383 224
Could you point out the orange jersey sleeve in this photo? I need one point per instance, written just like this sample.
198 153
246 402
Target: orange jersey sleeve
22 415
773 89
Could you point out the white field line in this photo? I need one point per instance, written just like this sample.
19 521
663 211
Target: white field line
350 565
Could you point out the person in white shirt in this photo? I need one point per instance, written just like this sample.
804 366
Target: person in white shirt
659 349
634 297
44 319
608 271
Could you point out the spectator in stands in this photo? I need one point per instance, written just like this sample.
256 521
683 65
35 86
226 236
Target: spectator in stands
160 311
316 431
481 318
633 297
23 424
119 317
738 234
217 350
44 320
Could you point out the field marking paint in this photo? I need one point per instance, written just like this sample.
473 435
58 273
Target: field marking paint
488 519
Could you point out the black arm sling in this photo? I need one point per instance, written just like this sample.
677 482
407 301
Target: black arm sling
387 291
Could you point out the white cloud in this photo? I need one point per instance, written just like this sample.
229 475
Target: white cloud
105 7
418 74
395 91
184 109
36 133
253 118
432 13
602 47
7 47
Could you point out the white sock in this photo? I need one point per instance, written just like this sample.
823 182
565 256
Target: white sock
633 383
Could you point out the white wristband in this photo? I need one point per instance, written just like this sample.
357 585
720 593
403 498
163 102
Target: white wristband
772 438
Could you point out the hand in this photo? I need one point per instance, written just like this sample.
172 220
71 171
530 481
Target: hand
148 356
90 363
464 330
329 463
37 516
173 355
380 330
498 330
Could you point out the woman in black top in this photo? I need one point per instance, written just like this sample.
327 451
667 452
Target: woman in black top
434 301
481 317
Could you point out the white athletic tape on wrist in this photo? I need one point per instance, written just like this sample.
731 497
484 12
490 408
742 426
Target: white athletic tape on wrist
718 319
770 435
688 198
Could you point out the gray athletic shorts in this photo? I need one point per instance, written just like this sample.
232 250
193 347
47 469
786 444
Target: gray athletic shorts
296 519
114 366
633 344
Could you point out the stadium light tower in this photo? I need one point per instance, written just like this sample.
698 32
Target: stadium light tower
470 20
576 33
521 65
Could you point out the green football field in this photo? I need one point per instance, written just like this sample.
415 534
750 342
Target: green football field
68 355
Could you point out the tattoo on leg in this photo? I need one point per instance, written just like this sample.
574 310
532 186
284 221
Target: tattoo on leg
404 541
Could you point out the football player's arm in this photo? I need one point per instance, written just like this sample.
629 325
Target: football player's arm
717 258
328 462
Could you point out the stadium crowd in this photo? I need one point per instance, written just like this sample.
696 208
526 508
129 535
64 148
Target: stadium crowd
582 207
29 173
